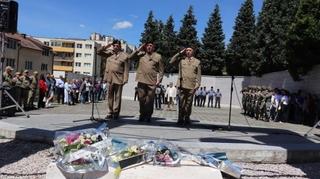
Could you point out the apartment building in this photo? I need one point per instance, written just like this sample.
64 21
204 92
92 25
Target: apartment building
73 56
26 53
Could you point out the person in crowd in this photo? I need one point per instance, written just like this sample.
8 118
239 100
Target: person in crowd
171 94
157 99
43 88
51 89
67 91
211 94
83 91
60 89
149 75
25 88
18 87
7 77
33 90
116 75
197 97
218 99
163 92
105 90
136 93
188 83
203 96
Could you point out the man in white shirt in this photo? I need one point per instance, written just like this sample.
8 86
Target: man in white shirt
171 92
218 98
211 94
60 89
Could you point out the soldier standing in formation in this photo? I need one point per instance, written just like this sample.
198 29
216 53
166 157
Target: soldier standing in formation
25 88
33 89
189 81
149 76
116 75
7 77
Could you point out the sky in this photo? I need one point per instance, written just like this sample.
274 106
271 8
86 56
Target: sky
122 19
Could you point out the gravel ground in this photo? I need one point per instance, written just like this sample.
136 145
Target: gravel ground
29 161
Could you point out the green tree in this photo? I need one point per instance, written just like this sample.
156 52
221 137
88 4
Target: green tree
170 45
304 39
187 36
212 49
151 30
240 48
271 34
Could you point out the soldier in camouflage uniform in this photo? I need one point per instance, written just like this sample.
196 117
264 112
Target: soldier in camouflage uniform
7 77
18 87
25 89
33 89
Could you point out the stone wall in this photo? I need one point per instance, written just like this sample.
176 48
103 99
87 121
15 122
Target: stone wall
282 79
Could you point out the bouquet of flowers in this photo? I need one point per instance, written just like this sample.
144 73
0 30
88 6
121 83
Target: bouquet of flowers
82 151
126 154
167 155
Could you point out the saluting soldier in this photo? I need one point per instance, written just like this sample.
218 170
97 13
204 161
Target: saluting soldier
116 75
33 89
149 76
189 81
25 88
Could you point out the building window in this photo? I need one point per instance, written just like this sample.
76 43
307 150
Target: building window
78 64
12 44
56 44
79 45
46 43
77 72
45 52
78 54
28 65
44 67
87 64
88 46
10 62
86 73
87 55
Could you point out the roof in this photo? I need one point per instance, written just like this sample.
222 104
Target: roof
27 42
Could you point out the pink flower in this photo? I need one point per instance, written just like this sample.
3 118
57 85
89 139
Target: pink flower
72 137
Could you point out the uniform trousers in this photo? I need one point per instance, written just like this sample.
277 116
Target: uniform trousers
146 94
185 105
114 98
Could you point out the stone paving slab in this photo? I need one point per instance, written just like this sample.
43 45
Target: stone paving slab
262 142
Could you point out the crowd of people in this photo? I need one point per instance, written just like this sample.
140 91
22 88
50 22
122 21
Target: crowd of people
169 96
280 105
32 91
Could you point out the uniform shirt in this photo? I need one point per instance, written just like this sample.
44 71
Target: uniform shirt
7 79
189 71
198 92
150 69
218 95
117 67
25 82
34 82
211 93
158 90
204 93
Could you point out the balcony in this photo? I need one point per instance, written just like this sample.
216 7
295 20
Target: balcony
63 49
65 59
62 68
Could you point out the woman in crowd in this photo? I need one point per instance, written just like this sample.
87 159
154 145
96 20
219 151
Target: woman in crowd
42 91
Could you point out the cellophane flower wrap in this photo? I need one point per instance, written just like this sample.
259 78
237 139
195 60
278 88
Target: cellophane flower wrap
82 151
166 154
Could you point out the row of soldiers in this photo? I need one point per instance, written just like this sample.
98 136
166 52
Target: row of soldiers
256 102
22 86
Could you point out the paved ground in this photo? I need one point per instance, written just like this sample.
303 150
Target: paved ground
272 142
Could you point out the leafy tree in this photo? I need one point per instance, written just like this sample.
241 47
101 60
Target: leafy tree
212 50
271 34
239 52
187 36
304 39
